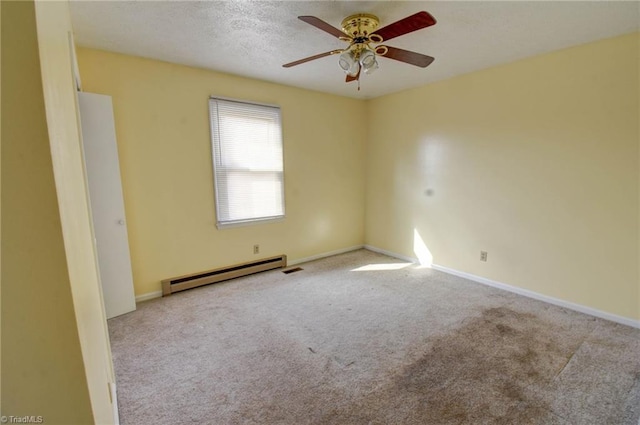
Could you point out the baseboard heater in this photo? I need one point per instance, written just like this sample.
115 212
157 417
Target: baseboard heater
181 283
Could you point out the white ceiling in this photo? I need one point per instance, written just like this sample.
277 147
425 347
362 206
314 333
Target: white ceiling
254 38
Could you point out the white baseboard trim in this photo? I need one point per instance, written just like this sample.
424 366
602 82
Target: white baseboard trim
540 297
148 296
520 291
324 255
391 254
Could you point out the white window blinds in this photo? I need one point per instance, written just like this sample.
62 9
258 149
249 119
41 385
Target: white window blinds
246 143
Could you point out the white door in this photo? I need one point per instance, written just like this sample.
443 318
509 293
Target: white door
107 204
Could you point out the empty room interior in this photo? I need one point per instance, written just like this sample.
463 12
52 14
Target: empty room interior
315 226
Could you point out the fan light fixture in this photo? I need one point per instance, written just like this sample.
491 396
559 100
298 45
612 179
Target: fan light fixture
352 62
368 61
349 63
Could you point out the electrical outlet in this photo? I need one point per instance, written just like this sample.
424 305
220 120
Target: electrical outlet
483 255
256 249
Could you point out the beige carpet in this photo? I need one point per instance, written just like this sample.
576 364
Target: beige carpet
343 342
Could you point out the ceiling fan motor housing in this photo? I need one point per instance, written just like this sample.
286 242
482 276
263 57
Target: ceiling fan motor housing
360 26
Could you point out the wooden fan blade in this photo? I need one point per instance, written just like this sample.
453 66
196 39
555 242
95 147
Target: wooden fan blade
310 58
320 24
404 26
407 56
355 77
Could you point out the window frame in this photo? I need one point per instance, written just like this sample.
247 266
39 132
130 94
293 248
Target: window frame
214 128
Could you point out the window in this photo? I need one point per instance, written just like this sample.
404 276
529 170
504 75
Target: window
246 141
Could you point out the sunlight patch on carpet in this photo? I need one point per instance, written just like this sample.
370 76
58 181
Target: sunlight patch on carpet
382 266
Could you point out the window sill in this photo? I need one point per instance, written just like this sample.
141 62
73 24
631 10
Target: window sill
243 223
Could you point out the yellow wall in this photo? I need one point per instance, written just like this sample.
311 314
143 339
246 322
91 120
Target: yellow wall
162 126
42 366
535 162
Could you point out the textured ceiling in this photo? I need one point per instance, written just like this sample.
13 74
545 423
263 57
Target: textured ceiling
254 38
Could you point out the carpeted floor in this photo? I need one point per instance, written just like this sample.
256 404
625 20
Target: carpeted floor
345 341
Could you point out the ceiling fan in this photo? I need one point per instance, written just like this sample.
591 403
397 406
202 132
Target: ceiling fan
361 31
